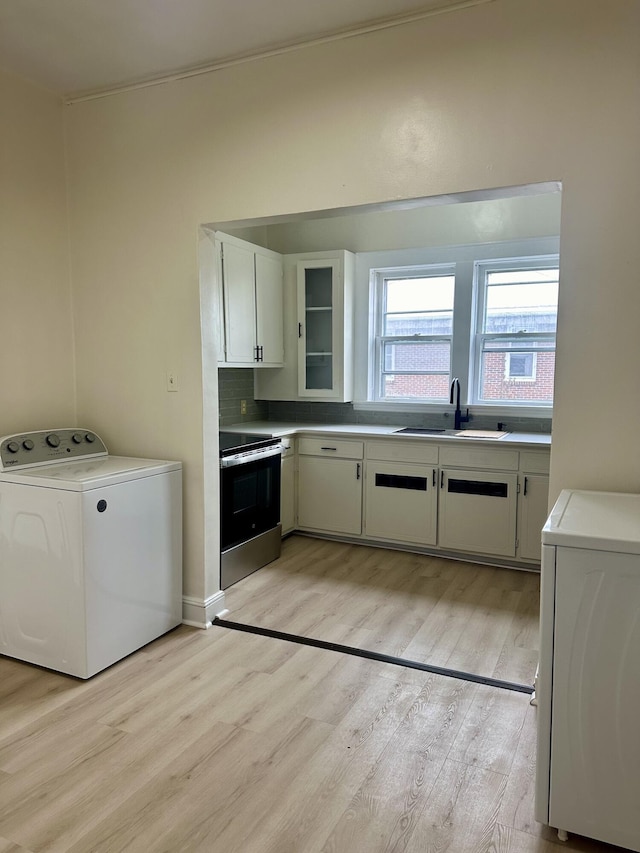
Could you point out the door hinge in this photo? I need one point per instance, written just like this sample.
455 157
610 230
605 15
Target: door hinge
517 544
518 491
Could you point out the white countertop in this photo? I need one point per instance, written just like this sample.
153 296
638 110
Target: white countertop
364 431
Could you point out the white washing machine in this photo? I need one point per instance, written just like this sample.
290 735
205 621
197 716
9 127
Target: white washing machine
90 550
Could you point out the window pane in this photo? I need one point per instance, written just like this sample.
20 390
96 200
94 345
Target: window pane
416 370
517 276
420 386
521 365
419 356
524 344
436 323
523 307
418 306
524 377
430 293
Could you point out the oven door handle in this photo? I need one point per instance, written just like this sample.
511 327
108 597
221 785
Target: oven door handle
250 456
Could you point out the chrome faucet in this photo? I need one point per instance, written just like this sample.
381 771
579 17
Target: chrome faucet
459 418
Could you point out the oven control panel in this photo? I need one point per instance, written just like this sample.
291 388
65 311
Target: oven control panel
46 447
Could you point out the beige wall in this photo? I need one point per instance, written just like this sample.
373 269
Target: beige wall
36 342
508 93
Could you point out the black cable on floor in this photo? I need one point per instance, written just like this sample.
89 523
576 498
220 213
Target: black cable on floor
364 653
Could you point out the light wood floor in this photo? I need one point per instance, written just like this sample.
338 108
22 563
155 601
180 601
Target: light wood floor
452 614
220 742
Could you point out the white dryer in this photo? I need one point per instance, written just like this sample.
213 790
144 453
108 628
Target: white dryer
588 760
90 550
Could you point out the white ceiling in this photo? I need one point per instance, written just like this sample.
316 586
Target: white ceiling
81 46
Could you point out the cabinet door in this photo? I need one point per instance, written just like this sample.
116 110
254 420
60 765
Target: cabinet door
477 511
401 502
288 495
269 310
323 328
330 494
239 303
319 326
532 514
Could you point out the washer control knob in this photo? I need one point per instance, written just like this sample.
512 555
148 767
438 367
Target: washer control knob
13 447
53 440
90 437
76 437
27 444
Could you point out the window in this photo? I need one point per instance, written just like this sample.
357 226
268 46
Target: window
516 331
414 333
520 365
499 339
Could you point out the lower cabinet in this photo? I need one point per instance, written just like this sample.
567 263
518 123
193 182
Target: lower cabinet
473 499
330 485
288 488
532 513
401 502
478 511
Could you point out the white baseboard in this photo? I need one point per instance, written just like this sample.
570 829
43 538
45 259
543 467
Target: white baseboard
200 613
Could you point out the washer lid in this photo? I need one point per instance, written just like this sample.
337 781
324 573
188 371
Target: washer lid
91 473
604 521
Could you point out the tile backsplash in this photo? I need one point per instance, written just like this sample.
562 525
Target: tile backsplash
236 384
342 413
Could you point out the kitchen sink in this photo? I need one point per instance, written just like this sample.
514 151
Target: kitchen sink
420 431
481 433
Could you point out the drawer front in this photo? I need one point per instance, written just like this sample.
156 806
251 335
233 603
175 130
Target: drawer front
329 446
399 450
534 463
480 457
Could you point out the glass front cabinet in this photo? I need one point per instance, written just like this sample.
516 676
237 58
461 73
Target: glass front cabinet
325 326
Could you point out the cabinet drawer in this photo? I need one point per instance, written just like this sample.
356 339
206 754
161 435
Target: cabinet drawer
535 463
329 446
480 457
398 450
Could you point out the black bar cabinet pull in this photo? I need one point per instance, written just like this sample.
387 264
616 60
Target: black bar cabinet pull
524 491
299 330
358 471
328 448
442 479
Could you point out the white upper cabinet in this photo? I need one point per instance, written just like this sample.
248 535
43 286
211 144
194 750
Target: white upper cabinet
269 308
325 327
252 291
318 334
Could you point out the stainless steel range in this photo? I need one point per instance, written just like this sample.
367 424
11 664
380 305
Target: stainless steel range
250 529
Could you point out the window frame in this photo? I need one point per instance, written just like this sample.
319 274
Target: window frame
378 278
523 377
482 270
464 256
